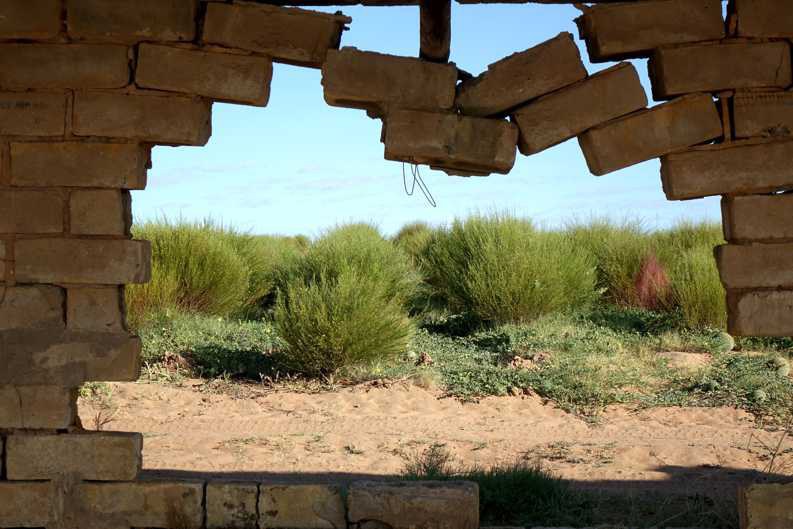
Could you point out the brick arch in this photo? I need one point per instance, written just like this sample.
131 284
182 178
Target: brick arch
88 87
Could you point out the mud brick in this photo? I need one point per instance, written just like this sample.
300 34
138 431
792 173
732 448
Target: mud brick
764 18
30 19
522 77
763 114
232 505
94 309
758 218
31 307
25 504
125 21
762 313
29 211
49 407
306 506
32 113
99 212
651 133
557 117
755 265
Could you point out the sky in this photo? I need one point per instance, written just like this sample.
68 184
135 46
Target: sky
301 166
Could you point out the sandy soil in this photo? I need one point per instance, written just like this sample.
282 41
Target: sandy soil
370 430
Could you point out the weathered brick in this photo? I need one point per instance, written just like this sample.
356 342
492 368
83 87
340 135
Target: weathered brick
49 407
26 504
564 114
305 506
31 307
755 265
629 30
32 113
143 117
429 504
651 133
144 503
761 313
739 168
522 77
377 82
450 141
223 76
76 164
717 67
94 309
99 212
25 66
30 19
68 359
125 21
758 218
763 114
86 261
232 505
764 18
290 35
28 211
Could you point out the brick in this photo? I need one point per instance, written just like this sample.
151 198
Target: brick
94 309
222 76
415 504
290 35
522 77
232 505
718 67
26 504
755 265
146 118
304 506
31 307
144 503
729 168
651 133
32 114
764 18
99 212
377 82
27 211
67 359
25 66
557 117
762 313
30 19
124 21
763 114
631 30
758 218
75 164
2 260
450 141
32 407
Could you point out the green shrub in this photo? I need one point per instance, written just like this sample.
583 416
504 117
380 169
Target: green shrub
697 289
413 238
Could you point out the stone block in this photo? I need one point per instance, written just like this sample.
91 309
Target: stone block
760 313
82 261
26 66
766 218
415 505
522 77
377 82
37 407
557 117
29 211
764 18
143 117
304 506
232 505
30 19
755 265
766 506
32 113
450 141
67 359
630 30
728 168
75 164
763 114
94 309
94 456
125 21
223 76
31 307
99 212
290 35
713 67
26 504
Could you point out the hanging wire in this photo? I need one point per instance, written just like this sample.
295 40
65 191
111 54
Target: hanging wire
414 171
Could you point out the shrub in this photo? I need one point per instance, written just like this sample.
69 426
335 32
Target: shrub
413 238
697 289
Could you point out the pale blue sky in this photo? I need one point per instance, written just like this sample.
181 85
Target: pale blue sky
300 166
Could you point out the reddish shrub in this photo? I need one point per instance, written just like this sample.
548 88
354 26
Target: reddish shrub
651 283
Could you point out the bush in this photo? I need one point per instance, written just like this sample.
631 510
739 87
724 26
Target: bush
413 238
697 289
